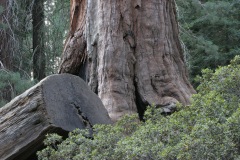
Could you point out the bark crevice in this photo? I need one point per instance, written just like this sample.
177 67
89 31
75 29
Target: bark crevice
83 117
140 103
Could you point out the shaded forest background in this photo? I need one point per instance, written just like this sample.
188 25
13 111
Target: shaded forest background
209 30
32 36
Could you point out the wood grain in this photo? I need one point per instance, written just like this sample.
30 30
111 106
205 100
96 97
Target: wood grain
59 103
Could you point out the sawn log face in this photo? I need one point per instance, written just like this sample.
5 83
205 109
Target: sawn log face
59 103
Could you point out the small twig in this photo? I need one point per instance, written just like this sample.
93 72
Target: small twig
1 66
11 89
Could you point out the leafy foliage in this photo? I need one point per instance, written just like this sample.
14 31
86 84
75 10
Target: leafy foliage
20 41
11 85
56 29
2 25
207 129
19 17
210 30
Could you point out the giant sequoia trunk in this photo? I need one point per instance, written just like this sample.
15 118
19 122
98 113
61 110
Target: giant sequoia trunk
129 53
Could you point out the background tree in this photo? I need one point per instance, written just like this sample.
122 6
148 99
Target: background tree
128 52
6 41
21 47
210 31
39 60
56 29
7 47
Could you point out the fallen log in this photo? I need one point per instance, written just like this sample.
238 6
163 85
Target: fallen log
59 103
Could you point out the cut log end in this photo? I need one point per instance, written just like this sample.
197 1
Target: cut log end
59 103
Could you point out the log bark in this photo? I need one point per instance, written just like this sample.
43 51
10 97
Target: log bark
59 103
129 53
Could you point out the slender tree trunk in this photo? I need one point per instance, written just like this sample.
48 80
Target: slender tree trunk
129 53
38 43
6 56
6 49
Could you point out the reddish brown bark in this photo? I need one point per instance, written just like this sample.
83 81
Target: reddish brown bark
128 52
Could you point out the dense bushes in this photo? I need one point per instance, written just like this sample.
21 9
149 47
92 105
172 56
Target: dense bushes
207 129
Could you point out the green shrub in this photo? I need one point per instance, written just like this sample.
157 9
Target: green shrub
207 129
11 85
